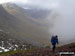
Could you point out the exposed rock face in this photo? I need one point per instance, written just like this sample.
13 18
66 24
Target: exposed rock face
8 43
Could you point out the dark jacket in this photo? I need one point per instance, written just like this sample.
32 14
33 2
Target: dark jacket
54 40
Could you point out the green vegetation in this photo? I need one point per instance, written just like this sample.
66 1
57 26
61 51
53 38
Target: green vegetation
17 51
73 44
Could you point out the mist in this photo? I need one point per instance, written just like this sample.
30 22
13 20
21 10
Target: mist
61 20
63 23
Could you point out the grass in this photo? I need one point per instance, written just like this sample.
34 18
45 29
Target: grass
17 51
70 45
73 44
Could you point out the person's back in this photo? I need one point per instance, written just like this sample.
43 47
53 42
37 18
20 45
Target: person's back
54 40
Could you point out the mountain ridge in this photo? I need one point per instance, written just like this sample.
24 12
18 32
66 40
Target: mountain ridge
23 27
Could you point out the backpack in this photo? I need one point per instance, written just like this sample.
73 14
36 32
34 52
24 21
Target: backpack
54 39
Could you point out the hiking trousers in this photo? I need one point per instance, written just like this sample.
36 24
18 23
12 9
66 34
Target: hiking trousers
54 47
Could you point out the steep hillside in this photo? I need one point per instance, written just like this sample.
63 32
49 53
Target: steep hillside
37 13
34 14
23 27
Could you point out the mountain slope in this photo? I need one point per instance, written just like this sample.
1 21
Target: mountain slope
8 32
23 27
44 51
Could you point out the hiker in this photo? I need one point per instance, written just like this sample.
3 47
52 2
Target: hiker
54 41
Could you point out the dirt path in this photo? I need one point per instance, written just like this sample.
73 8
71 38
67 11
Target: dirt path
41 52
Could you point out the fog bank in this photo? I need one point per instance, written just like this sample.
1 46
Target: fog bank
61 20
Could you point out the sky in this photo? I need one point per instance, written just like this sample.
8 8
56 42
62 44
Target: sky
42 3
64 23
5 1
